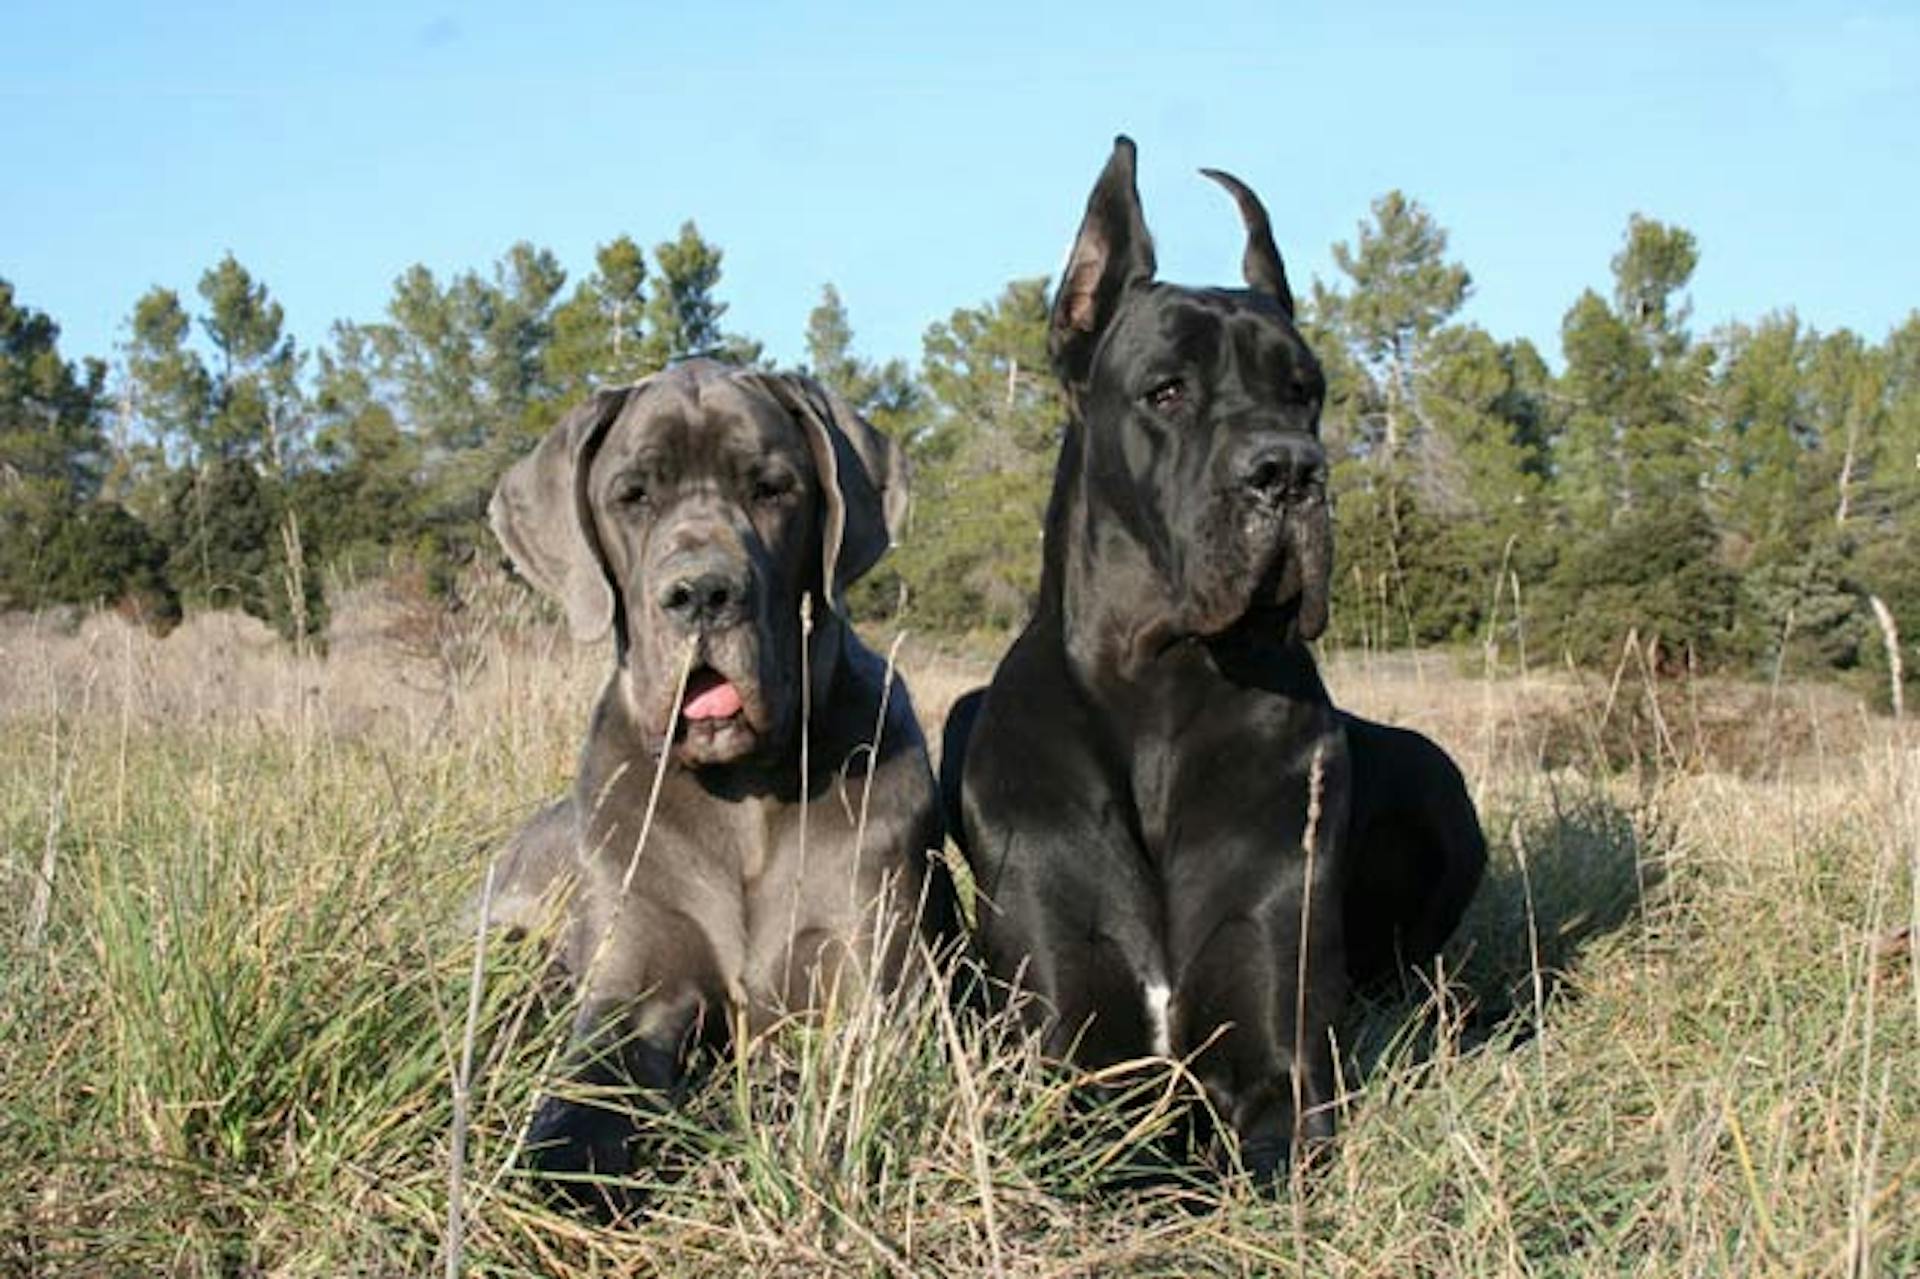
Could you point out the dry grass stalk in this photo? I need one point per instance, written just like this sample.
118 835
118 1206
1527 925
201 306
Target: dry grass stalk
228 1053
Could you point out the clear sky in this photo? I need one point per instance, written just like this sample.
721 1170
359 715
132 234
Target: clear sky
920 156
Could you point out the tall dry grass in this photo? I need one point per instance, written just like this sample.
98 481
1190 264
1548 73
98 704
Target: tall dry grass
1680 1032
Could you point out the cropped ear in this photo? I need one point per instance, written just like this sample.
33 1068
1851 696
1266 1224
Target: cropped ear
863 478
1112 252
540 515
1260 264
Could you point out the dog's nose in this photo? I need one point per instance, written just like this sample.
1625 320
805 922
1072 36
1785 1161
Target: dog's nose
1287 469
707 600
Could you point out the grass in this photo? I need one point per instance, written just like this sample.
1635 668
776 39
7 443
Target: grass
1680 1032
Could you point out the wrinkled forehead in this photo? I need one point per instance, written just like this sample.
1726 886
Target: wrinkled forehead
684 422
1170 326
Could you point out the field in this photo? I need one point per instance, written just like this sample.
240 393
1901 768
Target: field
1680 1033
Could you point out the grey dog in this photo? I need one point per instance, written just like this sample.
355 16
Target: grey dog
711 519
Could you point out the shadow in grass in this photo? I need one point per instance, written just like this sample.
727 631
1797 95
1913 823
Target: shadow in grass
1563 872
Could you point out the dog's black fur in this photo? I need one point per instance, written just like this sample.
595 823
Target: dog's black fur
1181 847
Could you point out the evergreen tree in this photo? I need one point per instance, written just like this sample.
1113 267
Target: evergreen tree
60 542
1651 269
683 315
1436 444
984 463
599 333
169 391
50 432
1633 466
361 497
1883 517
229 546
1635 381
227 445
468 369
1402 290
884 394
256 408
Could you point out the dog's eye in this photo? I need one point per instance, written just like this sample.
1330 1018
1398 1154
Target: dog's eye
1167 396
771 490
631 493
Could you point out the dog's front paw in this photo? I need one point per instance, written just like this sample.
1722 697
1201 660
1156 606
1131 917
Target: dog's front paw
1271 1143
584 1156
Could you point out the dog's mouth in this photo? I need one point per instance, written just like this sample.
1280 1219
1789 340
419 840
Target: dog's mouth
710 697
1266 574
716 724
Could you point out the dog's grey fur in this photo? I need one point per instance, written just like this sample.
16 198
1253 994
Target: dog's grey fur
696 511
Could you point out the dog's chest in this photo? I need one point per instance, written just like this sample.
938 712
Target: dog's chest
737 848
764 874
1192 746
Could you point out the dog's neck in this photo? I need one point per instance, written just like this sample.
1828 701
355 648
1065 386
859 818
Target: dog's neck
1083 558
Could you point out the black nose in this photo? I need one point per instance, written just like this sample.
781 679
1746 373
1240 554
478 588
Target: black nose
706 600
1286 469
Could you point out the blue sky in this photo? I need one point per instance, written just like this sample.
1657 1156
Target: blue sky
919 157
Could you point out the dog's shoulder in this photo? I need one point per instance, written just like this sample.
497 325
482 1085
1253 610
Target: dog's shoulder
534 875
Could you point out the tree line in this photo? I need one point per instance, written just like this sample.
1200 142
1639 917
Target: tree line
1729 501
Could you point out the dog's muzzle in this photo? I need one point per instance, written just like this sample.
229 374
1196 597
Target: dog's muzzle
1267 534
704 595
1276 471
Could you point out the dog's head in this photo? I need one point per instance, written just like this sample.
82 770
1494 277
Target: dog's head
1200 410
695 510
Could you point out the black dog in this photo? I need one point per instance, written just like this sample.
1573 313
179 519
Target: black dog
1155 793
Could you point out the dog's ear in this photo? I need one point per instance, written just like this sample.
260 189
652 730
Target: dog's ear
863 479
1112 252
1260 264
539 514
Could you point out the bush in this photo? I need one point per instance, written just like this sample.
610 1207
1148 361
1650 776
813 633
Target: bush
93 553
1656 573
231 544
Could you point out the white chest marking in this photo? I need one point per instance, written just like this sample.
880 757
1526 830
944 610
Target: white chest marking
1157 995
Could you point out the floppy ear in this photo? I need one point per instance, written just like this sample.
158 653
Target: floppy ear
539 514
863 479
1112 252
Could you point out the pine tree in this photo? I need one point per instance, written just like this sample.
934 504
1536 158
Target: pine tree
169 391
683 315
1401 291
227 445
61 542
257 408
1435 429
467 365
362 495
884 394
984 463
599 334
1632 466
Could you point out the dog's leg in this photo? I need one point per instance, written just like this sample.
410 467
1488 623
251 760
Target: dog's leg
1269 1069
624 1060
645 987
1415 852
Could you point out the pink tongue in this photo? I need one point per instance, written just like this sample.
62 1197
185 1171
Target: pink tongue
710 697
